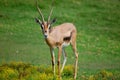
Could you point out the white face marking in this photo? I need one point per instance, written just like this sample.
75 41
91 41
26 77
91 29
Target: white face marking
42 26
45 29
45 35
49 26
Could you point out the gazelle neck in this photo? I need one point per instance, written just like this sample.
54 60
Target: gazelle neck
49 40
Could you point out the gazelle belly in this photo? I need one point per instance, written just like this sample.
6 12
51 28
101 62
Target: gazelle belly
65 44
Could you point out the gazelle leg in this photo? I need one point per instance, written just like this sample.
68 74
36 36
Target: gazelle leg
53 59
76 60
65 58
59 57
76 64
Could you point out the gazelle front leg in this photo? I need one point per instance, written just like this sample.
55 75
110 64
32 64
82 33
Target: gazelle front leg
65 58
53 59
59 57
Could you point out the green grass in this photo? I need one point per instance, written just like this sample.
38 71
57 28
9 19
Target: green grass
97 23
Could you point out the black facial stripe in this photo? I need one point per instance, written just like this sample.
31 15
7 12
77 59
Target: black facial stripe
41 26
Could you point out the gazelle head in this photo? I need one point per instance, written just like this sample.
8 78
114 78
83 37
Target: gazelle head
45 25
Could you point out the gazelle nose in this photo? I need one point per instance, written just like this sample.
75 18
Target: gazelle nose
45 31
45 36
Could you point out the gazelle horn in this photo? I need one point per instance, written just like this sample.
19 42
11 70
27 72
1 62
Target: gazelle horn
40 12
50 14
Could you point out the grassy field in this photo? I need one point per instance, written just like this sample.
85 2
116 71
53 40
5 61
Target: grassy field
97 23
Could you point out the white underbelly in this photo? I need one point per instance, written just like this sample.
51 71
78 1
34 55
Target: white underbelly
65 44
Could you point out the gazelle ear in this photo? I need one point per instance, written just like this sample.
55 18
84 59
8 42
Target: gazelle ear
53 21
37 21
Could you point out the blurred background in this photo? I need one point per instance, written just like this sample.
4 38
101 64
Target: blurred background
97 23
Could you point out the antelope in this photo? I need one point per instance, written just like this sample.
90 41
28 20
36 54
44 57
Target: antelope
59 37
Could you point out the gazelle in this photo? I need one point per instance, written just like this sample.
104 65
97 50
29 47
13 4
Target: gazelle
60 36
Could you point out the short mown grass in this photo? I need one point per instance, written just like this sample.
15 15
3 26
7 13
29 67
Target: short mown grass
98 38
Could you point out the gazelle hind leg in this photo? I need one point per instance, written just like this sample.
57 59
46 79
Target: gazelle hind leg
76 60
73 44
65 58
